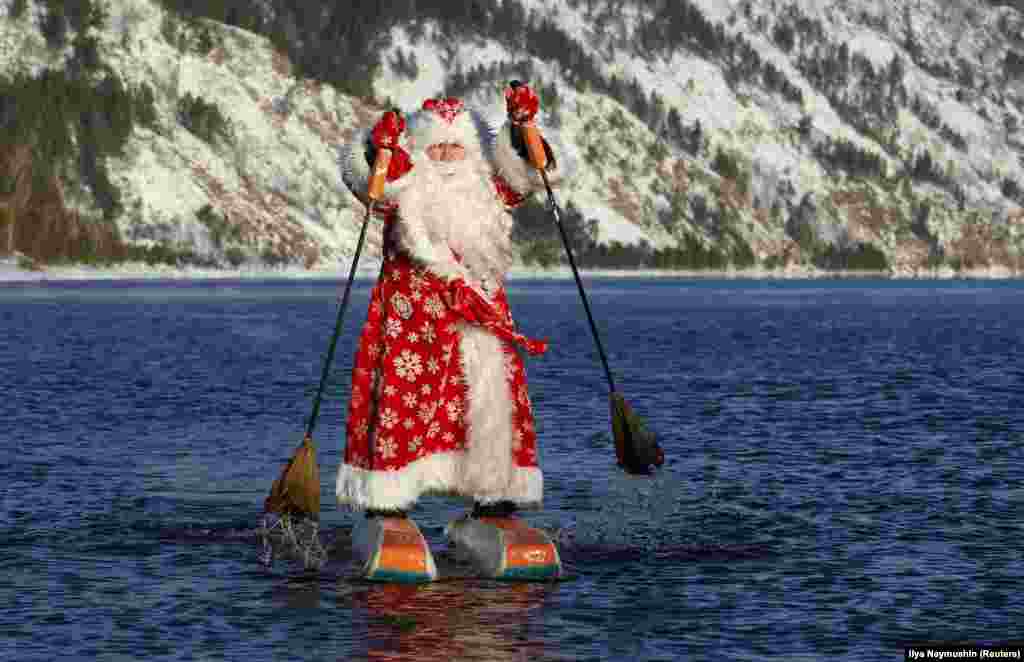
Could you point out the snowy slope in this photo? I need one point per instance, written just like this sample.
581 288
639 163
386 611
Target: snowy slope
759 125
277 181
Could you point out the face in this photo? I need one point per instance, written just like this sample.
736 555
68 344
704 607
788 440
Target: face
446 152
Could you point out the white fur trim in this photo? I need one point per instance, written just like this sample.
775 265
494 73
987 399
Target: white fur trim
485 471
520 174
433 474
469 129
424 128
487 463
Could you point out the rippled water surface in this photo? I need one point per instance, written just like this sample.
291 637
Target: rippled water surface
845 474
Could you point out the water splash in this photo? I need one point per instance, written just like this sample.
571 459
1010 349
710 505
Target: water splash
660 517
627 513
292 539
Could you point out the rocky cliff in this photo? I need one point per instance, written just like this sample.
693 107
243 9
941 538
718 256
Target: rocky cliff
782 134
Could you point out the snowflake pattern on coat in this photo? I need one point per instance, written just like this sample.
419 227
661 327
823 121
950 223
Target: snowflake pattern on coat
409 397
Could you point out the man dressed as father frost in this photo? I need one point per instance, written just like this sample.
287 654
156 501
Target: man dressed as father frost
439 401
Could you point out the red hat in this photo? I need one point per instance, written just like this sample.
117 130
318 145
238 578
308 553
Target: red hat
445 120
447 109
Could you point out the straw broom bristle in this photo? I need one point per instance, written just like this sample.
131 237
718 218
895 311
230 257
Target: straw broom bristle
635 447
297 490
619 427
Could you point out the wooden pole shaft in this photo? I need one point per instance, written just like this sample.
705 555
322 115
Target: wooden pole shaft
535 146
311 424
379 174
553 205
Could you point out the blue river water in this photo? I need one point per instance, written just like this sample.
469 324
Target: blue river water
844 475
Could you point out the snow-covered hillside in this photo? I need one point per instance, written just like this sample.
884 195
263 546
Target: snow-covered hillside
804 132
274 182
942 62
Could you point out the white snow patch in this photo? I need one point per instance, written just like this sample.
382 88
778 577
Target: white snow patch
877 50
405 93
961 119
716 11
613 227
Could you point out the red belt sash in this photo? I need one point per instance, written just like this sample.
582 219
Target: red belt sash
472 307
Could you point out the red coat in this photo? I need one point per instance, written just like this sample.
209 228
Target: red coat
409 410
439 400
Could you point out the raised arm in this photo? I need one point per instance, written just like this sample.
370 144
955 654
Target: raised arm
357 158
511 152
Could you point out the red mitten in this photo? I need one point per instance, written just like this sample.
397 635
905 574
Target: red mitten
385 136
521 102
388 128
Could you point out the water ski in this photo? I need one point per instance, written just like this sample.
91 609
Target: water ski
505 548
393 550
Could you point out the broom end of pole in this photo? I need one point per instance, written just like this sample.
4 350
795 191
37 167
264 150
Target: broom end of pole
297 490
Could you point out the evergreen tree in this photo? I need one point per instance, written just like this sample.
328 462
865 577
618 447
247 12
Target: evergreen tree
674 127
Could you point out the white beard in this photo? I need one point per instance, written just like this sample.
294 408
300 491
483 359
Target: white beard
454 206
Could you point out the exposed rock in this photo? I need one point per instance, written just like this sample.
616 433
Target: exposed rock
862 124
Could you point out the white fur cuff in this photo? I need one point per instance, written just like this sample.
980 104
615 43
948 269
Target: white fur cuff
520 174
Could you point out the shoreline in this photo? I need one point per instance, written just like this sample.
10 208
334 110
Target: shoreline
10 273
